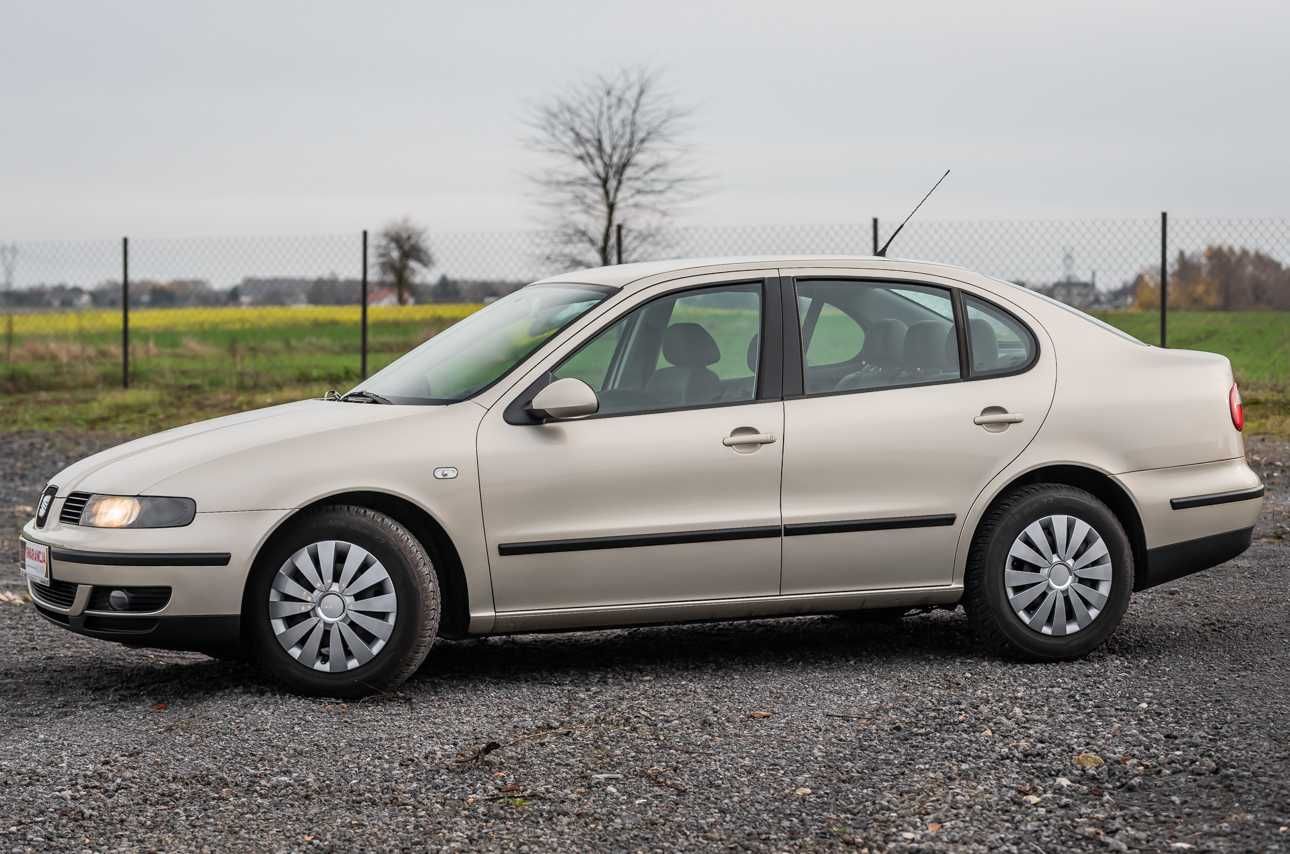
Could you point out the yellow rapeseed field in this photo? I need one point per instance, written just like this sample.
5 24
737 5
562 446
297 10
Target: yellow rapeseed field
106 320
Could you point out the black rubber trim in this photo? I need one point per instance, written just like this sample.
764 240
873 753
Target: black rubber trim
1167 563
141 559
1215 498
198 633
890 523
770 361
961 334
791 338
632 541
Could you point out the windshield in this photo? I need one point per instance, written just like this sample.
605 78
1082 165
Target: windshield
476 352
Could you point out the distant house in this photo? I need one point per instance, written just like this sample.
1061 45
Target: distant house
386 295
273 291
1076 293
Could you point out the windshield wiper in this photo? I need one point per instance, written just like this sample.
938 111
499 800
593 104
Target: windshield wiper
364 396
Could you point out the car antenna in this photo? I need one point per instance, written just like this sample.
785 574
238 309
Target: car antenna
882 253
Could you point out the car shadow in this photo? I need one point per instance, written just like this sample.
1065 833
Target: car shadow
696 647
114 675
126 676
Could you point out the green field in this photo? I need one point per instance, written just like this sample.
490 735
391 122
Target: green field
215 349
64 370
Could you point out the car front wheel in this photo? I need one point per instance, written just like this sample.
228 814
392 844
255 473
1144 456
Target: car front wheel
1049 574
345 604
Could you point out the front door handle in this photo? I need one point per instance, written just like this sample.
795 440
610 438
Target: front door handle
997 417
747 436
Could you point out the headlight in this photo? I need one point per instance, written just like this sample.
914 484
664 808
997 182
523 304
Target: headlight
143 511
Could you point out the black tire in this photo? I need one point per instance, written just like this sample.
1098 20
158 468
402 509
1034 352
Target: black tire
412 575
985 597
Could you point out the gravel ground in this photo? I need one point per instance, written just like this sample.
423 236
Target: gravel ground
771 735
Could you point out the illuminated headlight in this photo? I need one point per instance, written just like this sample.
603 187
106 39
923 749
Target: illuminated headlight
142 511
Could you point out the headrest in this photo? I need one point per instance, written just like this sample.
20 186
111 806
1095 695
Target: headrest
985 344
885 343
688 345
754 353
928 345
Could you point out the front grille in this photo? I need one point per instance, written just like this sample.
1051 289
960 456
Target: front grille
60 594
73 507
141 599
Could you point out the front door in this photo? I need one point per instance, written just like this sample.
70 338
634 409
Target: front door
899 425
671 492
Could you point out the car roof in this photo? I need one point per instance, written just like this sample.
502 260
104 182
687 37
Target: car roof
627 275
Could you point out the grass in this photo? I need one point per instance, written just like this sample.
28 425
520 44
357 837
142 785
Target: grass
210 348
60 371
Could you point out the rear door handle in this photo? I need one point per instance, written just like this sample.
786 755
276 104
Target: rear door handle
992 415
741 438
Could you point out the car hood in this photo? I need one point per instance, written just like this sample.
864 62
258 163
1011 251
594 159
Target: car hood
242 447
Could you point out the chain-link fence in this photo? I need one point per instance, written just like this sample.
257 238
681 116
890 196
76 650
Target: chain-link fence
269 312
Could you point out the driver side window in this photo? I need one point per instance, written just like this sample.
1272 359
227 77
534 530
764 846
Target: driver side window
693 348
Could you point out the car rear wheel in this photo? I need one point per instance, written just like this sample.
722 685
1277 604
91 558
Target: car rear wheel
346 604
1049 574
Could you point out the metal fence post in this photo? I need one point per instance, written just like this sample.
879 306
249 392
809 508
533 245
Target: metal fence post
619 240
363 311
125 312
1164 278
875 236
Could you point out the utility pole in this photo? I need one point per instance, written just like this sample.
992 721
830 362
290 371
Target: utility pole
1164 279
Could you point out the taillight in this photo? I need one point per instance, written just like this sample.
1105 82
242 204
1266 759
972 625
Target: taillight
1237 408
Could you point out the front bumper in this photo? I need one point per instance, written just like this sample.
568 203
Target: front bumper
184 585
212 634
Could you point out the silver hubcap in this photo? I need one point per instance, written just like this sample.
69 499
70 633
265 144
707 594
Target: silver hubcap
332 606
1058 575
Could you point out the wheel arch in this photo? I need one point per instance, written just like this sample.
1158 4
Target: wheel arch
1094 481
429 531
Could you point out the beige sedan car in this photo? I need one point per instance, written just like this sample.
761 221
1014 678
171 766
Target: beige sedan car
650 443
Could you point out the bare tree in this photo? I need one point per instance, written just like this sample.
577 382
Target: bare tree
613 155
402 252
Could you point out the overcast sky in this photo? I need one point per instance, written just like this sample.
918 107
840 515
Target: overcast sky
193 118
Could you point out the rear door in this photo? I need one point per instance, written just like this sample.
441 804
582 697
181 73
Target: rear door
908 398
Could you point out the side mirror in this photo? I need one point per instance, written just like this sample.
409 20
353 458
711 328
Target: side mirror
565 399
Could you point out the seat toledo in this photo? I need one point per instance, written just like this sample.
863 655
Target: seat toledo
665 442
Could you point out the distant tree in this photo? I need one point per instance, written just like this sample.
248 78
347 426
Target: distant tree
446 290
1218 277
402 252
1246 278
612 154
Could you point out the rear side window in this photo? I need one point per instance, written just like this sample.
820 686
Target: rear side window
838 338
866 335
997 341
